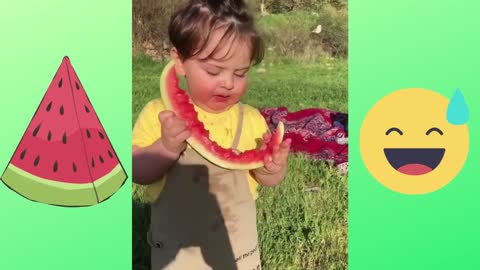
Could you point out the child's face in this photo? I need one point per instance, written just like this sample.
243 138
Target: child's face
217 84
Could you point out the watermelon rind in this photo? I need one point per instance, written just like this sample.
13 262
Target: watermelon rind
199 148
163 86
110 183
46 191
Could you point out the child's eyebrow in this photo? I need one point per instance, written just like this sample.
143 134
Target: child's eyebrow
245 68
220 67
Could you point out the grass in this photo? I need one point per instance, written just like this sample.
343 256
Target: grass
299 85
302 223
275 82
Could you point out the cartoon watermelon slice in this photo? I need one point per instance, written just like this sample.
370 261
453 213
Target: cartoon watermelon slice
65 157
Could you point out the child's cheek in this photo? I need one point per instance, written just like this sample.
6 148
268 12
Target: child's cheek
203 92
241 85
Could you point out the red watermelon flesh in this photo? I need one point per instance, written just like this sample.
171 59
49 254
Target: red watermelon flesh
101 158
65 156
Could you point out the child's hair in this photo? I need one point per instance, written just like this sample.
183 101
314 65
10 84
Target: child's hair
190 27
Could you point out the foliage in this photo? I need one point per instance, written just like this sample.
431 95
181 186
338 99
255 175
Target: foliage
282 6
288 28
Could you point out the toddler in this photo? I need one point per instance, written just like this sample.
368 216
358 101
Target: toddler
204 216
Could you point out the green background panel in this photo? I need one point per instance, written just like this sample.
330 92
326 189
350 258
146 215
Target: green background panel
404 44
35 36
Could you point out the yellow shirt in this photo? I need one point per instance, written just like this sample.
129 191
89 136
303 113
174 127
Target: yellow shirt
222 128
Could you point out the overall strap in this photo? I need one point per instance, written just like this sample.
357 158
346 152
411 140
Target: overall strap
236 140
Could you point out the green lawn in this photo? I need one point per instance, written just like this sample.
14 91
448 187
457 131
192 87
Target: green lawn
302 222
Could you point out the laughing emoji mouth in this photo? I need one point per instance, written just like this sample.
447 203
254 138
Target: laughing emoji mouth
414 161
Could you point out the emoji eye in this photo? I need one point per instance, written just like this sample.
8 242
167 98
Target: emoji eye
434 129
394 129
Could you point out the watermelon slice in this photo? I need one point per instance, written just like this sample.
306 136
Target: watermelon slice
178 101
65 157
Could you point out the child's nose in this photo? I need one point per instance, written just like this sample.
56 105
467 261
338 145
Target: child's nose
228 82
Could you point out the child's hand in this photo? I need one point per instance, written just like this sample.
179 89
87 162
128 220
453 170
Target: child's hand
278 160
174 132
275 165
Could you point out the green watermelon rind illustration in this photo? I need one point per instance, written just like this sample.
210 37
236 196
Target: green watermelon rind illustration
56 193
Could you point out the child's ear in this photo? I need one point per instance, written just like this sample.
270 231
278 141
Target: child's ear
178 62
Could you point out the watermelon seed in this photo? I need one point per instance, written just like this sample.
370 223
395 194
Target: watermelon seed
64 138
101 135
76 85
35 131
101 158
22 155
110 154
61 110
55 166
35 162
49 137
93 163
60 82
86 109
88 133
74 167
49 106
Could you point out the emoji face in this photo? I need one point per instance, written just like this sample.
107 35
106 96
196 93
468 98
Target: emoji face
408 143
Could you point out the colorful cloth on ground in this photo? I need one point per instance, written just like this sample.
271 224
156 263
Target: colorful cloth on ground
320 133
